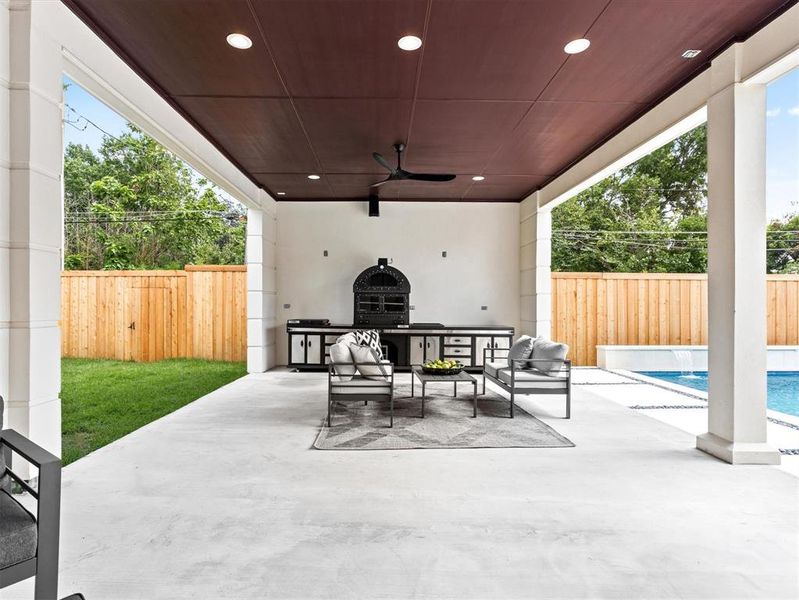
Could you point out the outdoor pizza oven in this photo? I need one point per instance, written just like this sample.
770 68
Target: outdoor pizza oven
382 296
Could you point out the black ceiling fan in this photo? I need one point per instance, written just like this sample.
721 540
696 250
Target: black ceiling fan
399 174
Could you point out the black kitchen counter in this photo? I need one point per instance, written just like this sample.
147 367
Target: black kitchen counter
401 327
398 329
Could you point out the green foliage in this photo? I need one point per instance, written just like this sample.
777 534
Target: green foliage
134 205
652 217
783 245
104 400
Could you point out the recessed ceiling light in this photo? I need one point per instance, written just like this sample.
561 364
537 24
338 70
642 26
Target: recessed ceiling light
576 46
691 53
313 177
409 43
478 178
281 193
239 40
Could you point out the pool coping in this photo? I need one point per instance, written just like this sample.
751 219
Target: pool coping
776 417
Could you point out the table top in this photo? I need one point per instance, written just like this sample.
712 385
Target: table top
462 376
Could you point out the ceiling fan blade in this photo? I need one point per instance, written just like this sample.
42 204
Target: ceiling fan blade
379 183
430 177
383 162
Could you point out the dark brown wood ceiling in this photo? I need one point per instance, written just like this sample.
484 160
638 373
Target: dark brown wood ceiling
490 92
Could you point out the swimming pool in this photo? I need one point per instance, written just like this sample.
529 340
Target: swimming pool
783 386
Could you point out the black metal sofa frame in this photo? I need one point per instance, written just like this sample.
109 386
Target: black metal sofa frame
44 565
521 384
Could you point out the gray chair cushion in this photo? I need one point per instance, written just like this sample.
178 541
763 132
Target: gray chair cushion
341 359
364 356
17 532
522 348
360 385
552 353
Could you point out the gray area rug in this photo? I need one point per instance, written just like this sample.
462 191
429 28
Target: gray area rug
447 423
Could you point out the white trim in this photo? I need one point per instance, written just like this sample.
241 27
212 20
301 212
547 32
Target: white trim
26 165
29 246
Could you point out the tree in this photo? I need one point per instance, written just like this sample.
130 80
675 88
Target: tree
652 217
648 217
135 205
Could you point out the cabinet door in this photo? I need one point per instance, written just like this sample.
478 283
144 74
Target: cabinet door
502 342
416 351
432 348
481 343
313 349
298 348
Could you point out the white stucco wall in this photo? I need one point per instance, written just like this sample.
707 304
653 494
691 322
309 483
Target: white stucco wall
481 267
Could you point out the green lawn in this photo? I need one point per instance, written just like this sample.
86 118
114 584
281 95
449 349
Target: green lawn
103 400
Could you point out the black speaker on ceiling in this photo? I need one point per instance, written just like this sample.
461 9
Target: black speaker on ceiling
374 205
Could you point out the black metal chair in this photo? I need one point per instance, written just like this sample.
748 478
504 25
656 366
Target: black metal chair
29 543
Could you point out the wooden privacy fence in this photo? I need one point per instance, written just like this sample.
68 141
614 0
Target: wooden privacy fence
202 312
590 309
152 315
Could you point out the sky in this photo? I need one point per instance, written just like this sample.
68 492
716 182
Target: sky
782 130
782 146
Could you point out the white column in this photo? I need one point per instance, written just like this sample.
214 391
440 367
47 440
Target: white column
261 287
536 268
736 269
30 225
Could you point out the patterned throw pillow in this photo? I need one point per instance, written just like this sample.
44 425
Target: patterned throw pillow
371 338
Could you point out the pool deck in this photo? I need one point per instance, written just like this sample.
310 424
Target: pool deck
686 408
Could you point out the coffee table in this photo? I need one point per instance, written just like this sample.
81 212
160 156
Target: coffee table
424 379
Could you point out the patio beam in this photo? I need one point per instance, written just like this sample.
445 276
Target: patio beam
736 267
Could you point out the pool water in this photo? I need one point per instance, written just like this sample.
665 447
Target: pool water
783 386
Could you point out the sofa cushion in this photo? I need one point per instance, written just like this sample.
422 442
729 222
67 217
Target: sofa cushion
365 356
493 367
522 348
360 385
17 532
531 378
341 359
552 355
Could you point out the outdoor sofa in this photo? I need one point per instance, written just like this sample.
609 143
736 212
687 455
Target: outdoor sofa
545 373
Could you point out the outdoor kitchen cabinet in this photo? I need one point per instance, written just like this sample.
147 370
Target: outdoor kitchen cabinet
483 341
424 348
305 349
308 345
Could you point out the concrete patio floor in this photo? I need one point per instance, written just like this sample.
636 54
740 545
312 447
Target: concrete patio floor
225 498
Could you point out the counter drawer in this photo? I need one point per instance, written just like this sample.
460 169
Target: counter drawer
466 361
457 351
457 340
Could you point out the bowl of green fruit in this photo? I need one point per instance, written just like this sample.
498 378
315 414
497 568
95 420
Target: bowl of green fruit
442 367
